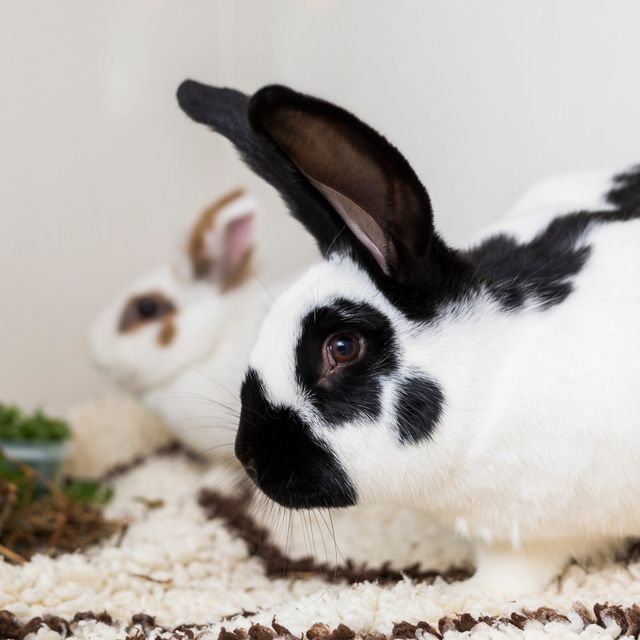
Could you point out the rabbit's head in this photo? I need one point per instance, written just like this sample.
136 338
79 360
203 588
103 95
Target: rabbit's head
336 408
171 318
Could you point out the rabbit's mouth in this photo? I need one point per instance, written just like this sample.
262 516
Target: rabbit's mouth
282 457
305 499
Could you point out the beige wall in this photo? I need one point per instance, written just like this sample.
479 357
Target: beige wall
99 170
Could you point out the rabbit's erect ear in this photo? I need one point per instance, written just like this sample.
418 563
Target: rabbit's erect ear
351 189
226 112
367 181
222 239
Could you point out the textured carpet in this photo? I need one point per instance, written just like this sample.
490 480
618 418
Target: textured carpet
202 558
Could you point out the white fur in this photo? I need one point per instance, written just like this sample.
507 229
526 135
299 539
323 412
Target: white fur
537 454
550 199
192 383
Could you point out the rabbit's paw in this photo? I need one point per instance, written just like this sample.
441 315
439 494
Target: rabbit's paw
505 572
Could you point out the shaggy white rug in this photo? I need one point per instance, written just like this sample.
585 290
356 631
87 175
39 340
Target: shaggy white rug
200 559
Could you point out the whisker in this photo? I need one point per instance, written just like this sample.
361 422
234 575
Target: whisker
332 533
313 538
216 470
264 286
219 446
209 424
300 515
328 251
286 547
207 376
200 398
324 544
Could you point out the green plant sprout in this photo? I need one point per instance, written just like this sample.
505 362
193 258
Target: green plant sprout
15 426
87 491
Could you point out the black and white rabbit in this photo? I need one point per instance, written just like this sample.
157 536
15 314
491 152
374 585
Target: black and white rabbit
496 387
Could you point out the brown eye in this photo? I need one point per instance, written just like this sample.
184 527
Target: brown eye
343 348
145 308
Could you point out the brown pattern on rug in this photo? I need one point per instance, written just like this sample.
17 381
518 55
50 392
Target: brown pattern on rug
234 512
142 626
174 447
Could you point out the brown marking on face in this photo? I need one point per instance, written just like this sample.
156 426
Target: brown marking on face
168 331
201 262
143 309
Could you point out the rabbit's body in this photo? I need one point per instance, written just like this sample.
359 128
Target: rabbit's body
199 402
543 411
552 198
538 444
494 388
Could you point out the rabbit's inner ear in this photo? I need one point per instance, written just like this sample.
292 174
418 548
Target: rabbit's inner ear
234 263
363 226
221 242
367 181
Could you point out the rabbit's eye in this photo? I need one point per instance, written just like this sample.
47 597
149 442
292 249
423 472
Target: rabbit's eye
343 348
145 308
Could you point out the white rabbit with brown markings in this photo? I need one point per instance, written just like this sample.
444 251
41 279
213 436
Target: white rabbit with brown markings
180 336
495 387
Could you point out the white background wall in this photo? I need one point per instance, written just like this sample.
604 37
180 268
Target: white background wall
99 170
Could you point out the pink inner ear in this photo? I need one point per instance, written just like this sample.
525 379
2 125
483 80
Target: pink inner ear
238 241
364 227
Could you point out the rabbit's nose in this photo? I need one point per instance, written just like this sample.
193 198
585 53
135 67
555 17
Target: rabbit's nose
249 463
250 469
244 450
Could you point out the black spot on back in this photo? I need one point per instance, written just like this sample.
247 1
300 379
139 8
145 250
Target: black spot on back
543 269
418 408
625 194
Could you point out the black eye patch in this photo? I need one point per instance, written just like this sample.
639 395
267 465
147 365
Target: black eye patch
355 391
352 391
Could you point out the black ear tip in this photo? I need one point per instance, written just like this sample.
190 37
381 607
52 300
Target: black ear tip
265 100
187 94
274 93
192 98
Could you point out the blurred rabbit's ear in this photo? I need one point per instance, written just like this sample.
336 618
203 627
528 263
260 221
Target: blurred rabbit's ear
221 241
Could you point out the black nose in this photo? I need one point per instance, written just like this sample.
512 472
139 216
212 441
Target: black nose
250 468
280 454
